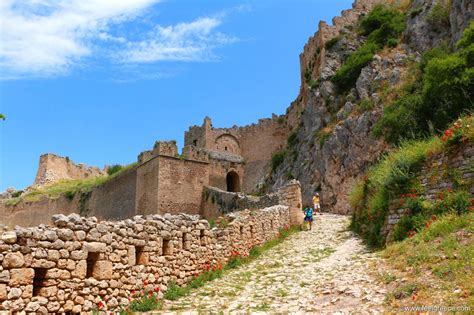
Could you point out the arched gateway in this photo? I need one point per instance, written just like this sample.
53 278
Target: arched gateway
233 182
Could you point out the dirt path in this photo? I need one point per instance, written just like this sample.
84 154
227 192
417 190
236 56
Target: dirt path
323 270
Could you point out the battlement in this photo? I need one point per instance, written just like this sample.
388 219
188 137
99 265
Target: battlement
161 148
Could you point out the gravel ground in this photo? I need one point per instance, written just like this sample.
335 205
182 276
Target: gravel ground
325 270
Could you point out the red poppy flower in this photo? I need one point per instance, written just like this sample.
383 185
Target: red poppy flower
145 282
157 289
100 304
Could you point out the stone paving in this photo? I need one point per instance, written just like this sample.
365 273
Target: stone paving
325 270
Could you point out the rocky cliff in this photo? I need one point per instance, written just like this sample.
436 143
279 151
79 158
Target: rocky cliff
332 142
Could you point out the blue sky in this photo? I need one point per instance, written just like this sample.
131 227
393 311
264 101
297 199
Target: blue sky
101 80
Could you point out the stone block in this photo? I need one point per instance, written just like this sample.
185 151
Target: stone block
21 276
13 260
42 263
14 293
79 254
47 291
5 276
102 270
94 247
131 255
27 291
81 270
9 237
3 291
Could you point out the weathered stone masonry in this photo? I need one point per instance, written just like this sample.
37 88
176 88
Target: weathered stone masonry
78 262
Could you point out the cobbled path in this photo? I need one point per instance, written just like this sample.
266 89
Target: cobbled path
325 270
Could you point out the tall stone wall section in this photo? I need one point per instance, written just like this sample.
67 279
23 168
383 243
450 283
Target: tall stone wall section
52 168
290 195
259 142
440 173
79 262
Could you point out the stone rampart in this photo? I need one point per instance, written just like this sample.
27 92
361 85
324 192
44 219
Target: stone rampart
79 262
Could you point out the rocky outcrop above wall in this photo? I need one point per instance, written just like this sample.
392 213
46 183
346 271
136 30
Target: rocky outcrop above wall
440 174
53 168
435 22
332 144
79 262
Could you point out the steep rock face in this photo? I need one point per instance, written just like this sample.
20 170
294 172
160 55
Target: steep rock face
332 144
435 22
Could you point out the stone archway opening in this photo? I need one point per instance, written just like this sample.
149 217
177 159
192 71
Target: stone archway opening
233 182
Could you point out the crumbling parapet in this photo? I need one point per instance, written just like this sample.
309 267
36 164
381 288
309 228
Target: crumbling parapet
163 148
53 168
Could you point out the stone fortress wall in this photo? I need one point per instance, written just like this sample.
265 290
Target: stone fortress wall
52 168
79 262
161 182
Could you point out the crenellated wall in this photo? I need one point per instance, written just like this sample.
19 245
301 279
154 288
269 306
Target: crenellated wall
79 262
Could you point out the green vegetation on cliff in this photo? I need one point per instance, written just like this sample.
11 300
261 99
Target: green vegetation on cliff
382 26
442 90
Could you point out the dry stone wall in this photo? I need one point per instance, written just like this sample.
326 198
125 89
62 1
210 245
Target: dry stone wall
440 173
79 262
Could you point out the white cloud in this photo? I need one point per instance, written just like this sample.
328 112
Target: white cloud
192 41
46 37
40 38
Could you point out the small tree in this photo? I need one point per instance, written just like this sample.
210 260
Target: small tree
2 117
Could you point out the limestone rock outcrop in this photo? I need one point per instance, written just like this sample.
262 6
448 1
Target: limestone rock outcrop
332 142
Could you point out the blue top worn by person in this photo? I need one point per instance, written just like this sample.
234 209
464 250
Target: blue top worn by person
308 212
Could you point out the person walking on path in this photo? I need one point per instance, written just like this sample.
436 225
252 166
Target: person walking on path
308 216
317 207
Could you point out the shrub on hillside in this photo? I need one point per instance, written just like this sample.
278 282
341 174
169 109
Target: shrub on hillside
277 160
439 14
394 178
114 169
382 26
333 41
443 91
391 177
347 75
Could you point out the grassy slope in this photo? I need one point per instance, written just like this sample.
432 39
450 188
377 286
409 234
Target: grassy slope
66 187
434 267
